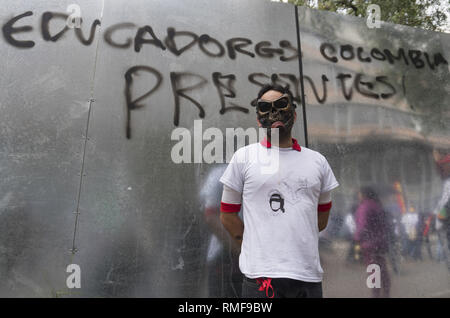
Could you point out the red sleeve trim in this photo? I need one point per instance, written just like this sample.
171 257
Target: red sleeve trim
324 207
229 207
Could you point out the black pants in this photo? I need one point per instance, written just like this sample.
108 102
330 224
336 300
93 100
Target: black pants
282 288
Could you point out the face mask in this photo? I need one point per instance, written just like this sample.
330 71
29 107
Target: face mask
276 114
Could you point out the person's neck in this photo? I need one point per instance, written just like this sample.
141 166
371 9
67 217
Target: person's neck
285 141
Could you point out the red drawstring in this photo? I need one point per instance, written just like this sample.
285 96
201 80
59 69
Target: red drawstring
265 284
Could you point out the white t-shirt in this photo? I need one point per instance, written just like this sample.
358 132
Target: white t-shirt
281 235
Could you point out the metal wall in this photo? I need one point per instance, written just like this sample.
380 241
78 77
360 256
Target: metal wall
87 116
377 106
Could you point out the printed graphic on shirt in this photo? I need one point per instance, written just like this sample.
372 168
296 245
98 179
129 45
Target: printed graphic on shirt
290 190
293 188
276 202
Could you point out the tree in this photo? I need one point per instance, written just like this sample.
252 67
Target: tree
426 14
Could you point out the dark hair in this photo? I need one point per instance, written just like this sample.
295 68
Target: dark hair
275 87
369 192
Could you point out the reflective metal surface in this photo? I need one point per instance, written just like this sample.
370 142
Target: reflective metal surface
380 108
142 210
44 106
141 227
87 119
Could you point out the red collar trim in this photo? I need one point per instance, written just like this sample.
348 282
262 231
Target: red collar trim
295 144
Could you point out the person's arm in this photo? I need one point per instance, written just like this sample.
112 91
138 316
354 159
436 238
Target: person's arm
229 214
235 227
329 182
323 210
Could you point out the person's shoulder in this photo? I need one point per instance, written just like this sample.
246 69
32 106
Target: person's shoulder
247 148
242 153
313 153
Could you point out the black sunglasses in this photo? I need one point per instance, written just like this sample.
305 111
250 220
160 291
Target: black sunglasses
265 106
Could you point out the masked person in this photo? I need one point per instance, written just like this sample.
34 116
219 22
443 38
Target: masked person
283 209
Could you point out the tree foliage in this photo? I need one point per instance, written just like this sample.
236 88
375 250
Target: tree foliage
426 14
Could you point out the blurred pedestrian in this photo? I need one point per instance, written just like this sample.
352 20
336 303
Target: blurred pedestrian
410 221
350 227
426 233
372 236
393 216
442 210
